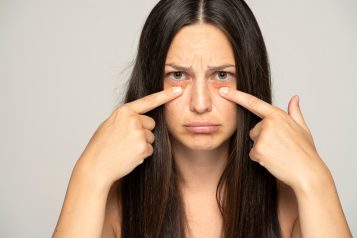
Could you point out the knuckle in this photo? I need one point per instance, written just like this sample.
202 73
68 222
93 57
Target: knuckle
147 151
150 121
267 126
142 147
140 135
153 122
252 101
281 115
276 113
150 149
119 112
259 150
149 100
263 137
123 109
134 122
268 122
152 137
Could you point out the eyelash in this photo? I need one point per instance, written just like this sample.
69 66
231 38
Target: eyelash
223 80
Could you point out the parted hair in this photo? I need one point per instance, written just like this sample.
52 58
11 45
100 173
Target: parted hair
151 202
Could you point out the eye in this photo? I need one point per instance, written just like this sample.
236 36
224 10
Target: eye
223 75
177 75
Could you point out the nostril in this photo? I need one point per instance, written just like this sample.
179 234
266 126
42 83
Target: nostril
200 102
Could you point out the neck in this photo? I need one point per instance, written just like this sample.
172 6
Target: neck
200 170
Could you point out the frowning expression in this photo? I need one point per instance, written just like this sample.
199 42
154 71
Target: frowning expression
200 60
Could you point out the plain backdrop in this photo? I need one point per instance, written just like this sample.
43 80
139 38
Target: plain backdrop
63 65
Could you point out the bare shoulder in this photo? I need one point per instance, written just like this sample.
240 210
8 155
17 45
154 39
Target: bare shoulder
113 210
287 210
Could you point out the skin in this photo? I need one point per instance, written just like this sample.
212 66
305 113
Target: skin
200 158
283 143
125 138
120 144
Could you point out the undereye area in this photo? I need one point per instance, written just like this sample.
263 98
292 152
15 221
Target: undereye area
216 80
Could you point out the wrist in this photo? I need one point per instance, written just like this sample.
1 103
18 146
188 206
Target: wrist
86 171
317 183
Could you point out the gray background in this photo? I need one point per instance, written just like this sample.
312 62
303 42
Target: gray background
62 69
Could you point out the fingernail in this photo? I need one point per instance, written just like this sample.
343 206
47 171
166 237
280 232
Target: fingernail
177 89
224 90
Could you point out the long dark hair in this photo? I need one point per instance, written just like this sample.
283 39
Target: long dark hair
151 201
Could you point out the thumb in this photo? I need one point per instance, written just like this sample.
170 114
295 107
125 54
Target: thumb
295 112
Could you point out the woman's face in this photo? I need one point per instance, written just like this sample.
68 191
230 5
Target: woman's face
199 48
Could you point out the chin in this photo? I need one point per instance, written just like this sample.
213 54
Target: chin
202 147
203 142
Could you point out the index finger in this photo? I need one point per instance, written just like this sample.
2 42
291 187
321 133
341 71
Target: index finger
149 102
257 106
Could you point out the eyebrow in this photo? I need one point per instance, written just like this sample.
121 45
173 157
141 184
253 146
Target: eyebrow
211 68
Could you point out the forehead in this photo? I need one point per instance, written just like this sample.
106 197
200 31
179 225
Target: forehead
204 41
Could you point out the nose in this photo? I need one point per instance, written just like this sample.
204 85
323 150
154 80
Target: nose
200 101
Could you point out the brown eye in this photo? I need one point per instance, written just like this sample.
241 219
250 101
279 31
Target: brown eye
177 74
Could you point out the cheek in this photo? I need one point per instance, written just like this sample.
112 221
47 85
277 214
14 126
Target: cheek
171 111
232 115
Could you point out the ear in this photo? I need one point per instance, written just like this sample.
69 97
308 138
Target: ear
295 112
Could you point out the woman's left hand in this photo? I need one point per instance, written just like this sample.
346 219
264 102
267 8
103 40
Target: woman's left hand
283 143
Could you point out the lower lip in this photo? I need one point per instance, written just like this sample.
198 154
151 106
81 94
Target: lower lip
202 129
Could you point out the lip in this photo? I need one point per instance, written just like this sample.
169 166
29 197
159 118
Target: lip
202 127
201 124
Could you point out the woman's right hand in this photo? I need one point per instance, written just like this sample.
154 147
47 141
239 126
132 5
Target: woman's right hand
123 140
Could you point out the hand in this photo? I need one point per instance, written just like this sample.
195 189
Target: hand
123 141
283 143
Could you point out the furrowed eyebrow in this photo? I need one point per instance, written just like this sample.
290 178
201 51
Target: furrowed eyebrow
221 66
178 67
211 68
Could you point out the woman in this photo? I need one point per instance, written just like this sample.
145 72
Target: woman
211 159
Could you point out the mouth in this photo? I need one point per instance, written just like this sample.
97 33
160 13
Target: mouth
202 127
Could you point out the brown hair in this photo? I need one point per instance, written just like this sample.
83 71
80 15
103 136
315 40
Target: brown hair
151 201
